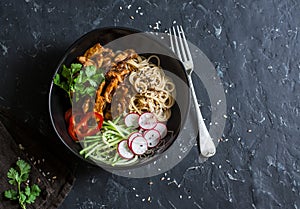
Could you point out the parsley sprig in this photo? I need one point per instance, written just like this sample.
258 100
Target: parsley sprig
79 81
24 193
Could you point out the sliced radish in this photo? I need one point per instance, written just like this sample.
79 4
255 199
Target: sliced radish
124 151
147 120
152 137
139 145
132 136
162 129
132 120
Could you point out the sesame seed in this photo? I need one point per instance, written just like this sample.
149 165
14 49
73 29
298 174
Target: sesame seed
131 17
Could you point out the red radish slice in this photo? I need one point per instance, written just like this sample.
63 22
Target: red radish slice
132 136
162 129
132 120
139 145
124 151
147 120
152 137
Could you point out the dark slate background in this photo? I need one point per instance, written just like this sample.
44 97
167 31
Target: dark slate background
254 46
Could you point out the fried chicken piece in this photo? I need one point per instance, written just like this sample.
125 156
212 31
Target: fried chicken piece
96 49
110 89
100 100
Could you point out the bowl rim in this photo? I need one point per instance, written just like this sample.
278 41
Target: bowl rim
57 68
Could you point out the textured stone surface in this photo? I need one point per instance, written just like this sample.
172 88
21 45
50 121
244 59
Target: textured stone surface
255 48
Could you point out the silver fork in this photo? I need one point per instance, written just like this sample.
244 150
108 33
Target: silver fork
181 48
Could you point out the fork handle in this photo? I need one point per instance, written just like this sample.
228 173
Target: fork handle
207 146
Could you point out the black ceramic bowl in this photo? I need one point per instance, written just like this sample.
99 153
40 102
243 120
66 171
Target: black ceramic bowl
119 38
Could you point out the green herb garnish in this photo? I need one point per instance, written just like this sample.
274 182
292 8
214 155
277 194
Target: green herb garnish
24 193
66 79
77 81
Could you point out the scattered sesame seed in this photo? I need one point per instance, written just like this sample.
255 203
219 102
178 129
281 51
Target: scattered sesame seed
168 179
54 177
159 169
180 196
139 7
129 6
225 116
136 195
249 130
150 183
179 156
174 22
133 188
149 199
21 147
137 11
162 178
143 200
189 197
141 13
235 170
220 166
131 17
239 139
120 8
212 163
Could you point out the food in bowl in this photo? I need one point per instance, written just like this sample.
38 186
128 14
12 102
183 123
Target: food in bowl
120 104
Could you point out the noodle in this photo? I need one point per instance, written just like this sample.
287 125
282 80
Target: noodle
155 90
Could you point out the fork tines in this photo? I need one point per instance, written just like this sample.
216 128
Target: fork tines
181 47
